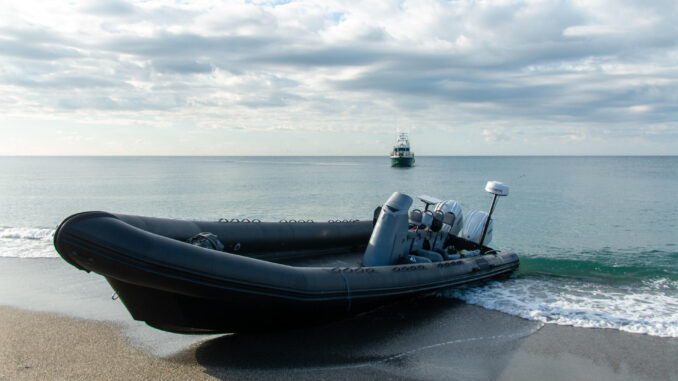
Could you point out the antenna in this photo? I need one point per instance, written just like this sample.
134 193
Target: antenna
497 189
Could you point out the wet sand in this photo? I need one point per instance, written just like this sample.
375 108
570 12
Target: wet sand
383 346
78 332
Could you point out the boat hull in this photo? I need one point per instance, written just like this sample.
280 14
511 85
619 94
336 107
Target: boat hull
400 161
178 287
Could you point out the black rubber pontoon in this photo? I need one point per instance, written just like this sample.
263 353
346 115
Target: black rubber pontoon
271 275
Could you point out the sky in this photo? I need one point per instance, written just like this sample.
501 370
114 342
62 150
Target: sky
504 77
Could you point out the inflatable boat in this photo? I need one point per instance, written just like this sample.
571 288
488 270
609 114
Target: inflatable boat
244 276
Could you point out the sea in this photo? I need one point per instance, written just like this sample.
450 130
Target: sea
597 236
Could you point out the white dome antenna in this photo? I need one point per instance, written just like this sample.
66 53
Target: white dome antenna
497 189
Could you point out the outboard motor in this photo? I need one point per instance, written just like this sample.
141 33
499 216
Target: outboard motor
389 238
473 228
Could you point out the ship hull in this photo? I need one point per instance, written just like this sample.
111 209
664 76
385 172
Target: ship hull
402 161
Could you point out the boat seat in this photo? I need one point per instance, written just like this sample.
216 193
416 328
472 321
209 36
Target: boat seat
427 218
438 219
415 216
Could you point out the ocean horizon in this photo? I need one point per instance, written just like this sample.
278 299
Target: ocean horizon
376 156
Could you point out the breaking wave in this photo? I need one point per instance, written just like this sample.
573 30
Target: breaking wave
26 242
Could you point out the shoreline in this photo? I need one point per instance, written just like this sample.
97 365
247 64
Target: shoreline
40 345
56 323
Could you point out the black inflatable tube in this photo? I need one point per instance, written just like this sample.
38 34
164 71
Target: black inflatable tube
179 287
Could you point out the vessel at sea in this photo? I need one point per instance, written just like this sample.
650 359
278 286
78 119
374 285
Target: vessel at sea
402 155
248 276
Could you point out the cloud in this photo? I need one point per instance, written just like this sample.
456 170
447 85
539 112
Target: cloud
23 49
63 82
589 30
495 135
182 66
165 44
578 66
109 8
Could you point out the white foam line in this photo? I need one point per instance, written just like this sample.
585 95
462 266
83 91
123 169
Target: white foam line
26 242
649 309
427 347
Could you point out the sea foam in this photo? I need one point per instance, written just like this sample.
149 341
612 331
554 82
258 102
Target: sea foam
650 308
26 242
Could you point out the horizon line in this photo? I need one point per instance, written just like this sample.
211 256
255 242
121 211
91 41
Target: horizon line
384 156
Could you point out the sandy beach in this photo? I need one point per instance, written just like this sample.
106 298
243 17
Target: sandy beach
51 347
47 346
56 323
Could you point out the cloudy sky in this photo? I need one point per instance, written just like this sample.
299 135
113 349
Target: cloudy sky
338 77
